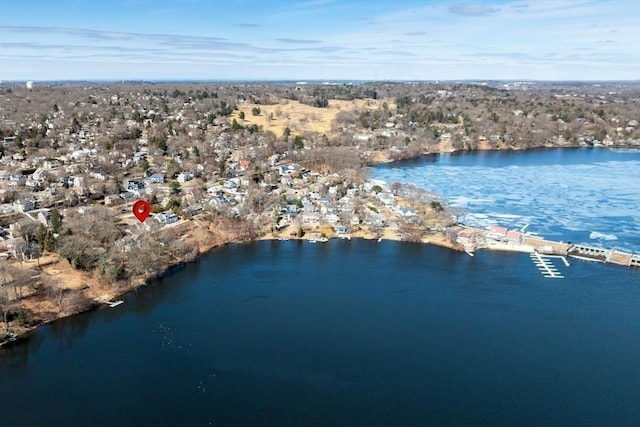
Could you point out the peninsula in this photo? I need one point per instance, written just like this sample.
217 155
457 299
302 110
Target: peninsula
222 163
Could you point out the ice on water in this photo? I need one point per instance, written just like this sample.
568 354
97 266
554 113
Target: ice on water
597 203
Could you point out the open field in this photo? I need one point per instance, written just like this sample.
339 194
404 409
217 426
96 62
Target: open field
300 117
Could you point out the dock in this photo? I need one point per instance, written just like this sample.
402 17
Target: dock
545 265
105 299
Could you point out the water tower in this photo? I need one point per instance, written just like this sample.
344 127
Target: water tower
29 85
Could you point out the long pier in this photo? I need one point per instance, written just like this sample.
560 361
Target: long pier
590 253
501 238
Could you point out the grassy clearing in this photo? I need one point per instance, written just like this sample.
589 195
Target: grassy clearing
300 117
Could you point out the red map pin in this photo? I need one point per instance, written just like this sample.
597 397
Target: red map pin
141 209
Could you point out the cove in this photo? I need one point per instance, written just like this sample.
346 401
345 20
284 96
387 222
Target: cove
342 333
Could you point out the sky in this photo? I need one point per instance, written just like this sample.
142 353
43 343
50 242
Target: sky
319 40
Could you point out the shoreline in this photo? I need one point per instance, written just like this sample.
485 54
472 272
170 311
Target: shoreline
532 245
221 238
383 160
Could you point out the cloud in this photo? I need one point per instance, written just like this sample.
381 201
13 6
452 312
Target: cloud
395 53
416 33
107 35
471 9
247 25
298 41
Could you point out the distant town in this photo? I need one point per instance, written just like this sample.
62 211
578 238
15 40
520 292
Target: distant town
237 162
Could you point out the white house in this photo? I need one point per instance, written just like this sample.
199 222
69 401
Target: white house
24 205
332 218
156 178
185 176
166 217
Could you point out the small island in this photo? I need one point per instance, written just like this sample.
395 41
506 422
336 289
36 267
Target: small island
232 163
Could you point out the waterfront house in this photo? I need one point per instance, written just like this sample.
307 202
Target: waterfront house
332 218
340 230
311 218
497 233
514 236
128 243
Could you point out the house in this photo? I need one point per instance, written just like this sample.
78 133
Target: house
51 163
466 237
135 185
404 212
185 176
34 184
17 180
156 178
386 198
5 234
193 210
24 205
100 175
497 233
111 199
127 196
352 192
39 174
311 218
128 243
166 217
332 218
514 236
44 216
76 181
340 230
362 137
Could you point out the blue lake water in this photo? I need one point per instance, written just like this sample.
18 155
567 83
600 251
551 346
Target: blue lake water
343 333
584 195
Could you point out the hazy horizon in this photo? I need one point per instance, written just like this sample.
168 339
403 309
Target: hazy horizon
319 40
313 81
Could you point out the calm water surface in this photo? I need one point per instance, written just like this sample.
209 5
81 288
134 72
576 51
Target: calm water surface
343 333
